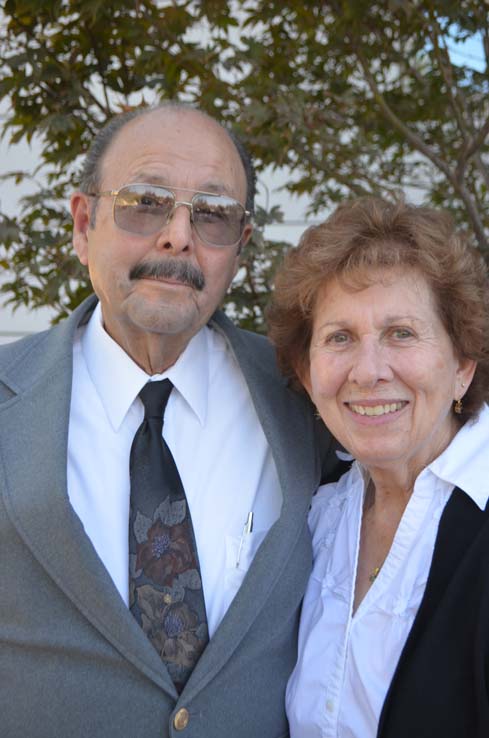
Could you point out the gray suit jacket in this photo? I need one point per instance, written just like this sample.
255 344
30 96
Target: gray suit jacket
73 661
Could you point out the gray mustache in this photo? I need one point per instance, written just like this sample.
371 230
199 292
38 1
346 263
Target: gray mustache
170 269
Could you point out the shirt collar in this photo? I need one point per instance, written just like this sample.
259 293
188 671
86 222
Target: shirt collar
465 462
106 362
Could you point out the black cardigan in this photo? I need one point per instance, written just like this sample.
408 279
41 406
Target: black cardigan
440 688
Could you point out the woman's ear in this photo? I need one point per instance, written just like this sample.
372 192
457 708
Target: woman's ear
465 375
303 373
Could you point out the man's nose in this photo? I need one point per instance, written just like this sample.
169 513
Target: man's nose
177 234
370 363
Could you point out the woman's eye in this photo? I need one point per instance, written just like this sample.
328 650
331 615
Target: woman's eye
402 333
337 339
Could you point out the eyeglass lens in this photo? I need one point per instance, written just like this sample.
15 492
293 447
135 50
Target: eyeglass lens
144 209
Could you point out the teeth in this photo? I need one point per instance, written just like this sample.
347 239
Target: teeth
377 409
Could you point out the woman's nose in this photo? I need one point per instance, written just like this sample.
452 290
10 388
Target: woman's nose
370 363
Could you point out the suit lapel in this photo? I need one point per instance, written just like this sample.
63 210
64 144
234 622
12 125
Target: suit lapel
33 453
288 426
290 433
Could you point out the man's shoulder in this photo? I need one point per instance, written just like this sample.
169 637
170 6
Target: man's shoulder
256 358
15 350
14 358
256 342
242 339
38 351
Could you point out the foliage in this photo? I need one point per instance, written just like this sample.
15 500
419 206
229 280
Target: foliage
352 96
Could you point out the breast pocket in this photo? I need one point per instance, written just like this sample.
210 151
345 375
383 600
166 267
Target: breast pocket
240 553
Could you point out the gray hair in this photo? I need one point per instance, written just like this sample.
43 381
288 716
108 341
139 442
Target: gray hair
91 171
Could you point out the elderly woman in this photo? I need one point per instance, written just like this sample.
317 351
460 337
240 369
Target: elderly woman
382 313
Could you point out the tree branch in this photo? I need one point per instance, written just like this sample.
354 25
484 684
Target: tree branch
473 213
455 97
482 169
472 139
410 136
401 57
481 13
470 148
88 94
355 188
420 146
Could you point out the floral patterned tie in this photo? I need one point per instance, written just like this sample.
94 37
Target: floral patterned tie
165 587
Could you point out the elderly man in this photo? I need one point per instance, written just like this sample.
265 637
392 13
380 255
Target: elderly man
150 580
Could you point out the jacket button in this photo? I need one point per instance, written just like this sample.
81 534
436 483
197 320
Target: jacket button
180 721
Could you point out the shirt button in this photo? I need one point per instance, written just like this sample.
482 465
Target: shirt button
330 705
180 721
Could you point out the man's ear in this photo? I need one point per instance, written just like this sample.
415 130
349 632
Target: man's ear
248 230
80 212
242 243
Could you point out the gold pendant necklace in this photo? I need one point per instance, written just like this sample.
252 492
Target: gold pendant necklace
375 573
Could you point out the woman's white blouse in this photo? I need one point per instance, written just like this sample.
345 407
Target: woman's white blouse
346 660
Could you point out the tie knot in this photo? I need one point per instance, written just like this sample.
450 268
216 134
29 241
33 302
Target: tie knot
154 397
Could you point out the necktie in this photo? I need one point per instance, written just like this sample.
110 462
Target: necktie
165 587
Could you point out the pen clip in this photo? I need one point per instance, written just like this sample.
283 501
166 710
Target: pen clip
247 529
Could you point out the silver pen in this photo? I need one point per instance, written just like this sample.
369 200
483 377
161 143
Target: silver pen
248 528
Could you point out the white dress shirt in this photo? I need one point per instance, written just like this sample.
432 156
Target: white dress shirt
215 437
347 660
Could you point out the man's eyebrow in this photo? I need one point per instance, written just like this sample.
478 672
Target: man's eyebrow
219 188
211 186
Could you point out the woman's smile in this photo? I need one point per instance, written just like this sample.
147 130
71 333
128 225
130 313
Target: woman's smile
376 408
380 357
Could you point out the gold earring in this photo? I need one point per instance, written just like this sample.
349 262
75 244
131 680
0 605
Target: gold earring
458 407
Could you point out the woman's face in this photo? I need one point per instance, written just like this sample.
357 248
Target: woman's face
383 372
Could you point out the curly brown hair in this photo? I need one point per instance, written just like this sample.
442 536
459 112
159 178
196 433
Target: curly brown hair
370 233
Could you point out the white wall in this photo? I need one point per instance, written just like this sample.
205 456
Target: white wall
14 324
18 323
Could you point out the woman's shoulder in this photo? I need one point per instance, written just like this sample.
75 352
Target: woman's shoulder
329 502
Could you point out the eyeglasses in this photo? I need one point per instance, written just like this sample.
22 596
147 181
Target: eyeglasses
145 209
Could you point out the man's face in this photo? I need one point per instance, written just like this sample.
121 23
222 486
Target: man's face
186 151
